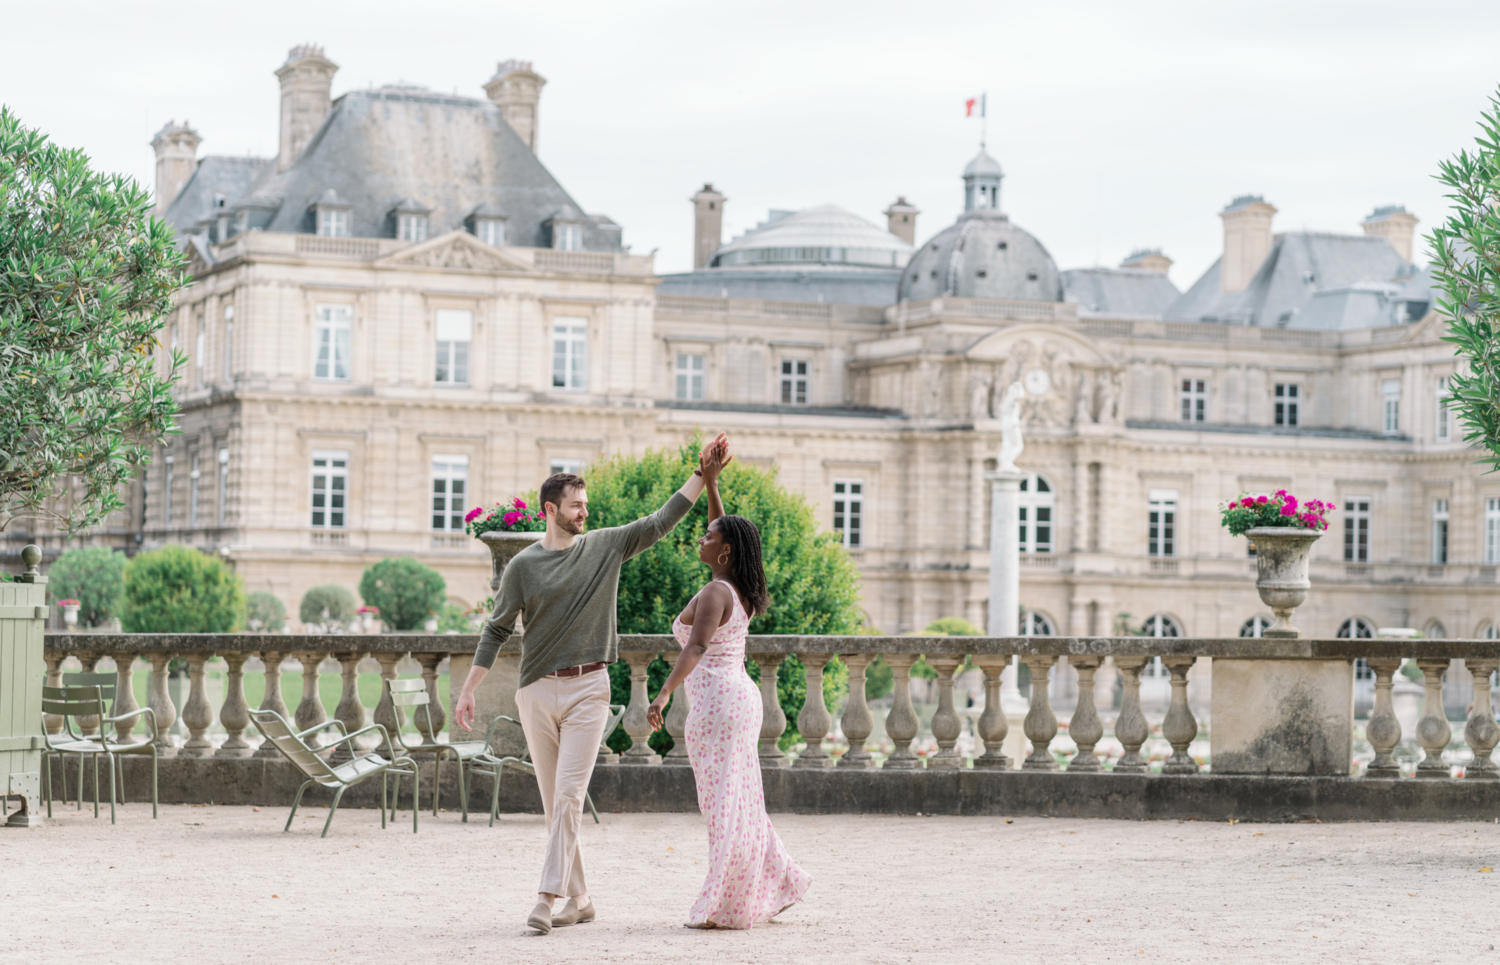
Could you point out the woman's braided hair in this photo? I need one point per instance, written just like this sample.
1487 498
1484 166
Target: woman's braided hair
745 567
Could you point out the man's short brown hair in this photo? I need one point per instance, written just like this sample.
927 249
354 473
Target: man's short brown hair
555 489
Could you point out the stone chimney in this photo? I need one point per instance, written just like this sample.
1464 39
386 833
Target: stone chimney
1391 222
1148 259
708 225
1247 240
516 89
306 82
176 147
901 220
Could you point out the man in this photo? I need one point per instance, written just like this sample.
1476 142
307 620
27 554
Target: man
566 585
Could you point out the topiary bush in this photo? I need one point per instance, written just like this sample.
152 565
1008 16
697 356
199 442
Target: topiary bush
328 608
92 575
405 591
264 613
177 589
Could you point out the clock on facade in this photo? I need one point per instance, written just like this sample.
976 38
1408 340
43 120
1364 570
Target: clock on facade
1037 382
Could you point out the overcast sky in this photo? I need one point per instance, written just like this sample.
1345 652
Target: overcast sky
1118 125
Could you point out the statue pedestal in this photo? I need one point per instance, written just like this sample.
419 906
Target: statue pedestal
1005 553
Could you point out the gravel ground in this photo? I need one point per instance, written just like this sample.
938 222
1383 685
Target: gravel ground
223 885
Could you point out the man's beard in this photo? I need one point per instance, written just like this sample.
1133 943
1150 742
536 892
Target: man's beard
575 526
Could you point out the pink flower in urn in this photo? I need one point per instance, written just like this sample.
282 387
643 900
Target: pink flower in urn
473 513
510 518
1289 510
519 504
1261 500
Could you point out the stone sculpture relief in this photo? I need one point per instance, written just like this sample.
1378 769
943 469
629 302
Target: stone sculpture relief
1011 442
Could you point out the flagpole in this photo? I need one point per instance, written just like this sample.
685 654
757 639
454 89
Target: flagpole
984 121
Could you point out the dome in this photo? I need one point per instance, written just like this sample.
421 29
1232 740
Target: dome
983 255
983 164
825 235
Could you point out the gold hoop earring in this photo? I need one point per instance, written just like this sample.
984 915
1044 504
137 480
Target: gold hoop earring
724 558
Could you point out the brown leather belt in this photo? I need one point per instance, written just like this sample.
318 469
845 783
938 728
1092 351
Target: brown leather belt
578 671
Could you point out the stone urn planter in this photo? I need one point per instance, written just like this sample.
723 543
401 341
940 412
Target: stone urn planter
1281 555
69 613
503 548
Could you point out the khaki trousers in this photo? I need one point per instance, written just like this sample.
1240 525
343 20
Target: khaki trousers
564 719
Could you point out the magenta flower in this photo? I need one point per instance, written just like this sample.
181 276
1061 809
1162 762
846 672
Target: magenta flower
473 513
1261 500
510 518
519 504
1289 510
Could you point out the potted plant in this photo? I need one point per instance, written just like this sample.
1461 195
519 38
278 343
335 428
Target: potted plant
1282 530
506 528
69 612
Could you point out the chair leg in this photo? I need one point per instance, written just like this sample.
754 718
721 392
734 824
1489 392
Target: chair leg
153 783
416 795
331 809
385 798
437 779
47 781
80 782
111 789
96 784
295 801
463 790
590 799
495 793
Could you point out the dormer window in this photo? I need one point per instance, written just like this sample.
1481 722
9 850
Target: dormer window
331 215
567 236
491 231
411 220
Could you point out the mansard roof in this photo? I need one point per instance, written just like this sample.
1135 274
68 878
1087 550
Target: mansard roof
231 178
1120 291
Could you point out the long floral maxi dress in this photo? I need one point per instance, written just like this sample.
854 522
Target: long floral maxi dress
750 875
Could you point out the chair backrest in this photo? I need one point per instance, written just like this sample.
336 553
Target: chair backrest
71 702
412 692
292 747
106 682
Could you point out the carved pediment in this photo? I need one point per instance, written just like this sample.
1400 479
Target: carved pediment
457 250
1066 377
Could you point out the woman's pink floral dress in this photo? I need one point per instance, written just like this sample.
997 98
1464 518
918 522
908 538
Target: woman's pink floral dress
750 875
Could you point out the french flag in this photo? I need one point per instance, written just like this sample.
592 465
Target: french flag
974 106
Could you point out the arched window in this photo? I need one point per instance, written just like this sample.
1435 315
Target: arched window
1160 625
1038 508
1356 629
1034 624
1254 626
1490 632
1436 631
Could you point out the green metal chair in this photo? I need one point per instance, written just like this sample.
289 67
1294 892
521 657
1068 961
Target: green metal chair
70 702
340 777
106 682
412 692
492 766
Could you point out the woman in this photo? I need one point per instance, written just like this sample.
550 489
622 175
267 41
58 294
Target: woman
750 876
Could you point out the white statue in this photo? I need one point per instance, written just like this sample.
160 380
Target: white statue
1081 413
1011 443
979 398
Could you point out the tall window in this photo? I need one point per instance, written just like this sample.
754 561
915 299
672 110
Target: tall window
567 236
1034 624
200 349
849 511
1194 399
570 355
1492 531
1390 393
794 381
573 466
689 374
193 476
1443 431
1160 625
1161 523
333 222
1490 632
450 477
1357 529
491 231
330 489
1356 629
228 352
1254 627
223 507
1288 397
1440 531
411 227
455 329
1036 508
167 496
331 341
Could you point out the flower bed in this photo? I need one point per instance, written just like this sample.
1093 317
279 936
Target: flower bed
514 516
1280 508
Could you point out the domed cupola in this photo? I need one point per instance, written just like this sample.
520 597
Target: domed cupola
982 255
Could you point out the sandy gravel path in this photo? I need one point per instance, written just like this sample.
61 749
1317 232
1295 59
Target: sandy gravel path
212 885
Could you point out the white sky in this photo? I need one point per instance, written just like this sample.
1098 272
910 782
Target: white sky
1118 124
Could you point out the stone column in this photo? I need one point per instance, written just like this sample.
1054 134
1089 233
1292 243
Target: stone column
430 724
272 699
1384 729
1005 553
387 714
814 721
1085 728
1040 725
160 702
1080 540
1433 732
1179 727
901 723
310 709
675 720
635 722
1131 728
349 710
946 727
197 713
1104 685
125 702
1481 733
772 717
54 660
992 725
235 714
857 721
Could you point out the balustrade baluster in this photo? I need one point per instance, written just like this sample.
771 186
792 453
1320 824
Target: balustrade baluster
814 720
387 714
772 717
1384 728
1179 727
88 725
431 722
1131 728
350 710
901 724
125 702
160 702
197 713
54 660
675 720
1085 728
235 714
946 727
992 726
635 722
857 722
1433 732
1040 725
310 709
1482 733
272 699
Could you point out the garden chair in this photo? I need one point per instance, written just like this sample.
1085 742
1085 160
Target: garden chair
412 692
106 682
488 764
340 777
73 701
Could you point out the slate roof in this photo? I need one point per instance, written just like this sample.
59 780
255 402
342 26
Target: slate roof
1120 291
1344 274
378 147
983 255
232 178
826 234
